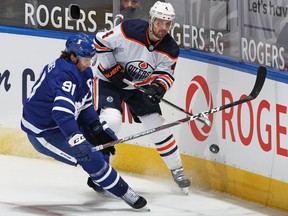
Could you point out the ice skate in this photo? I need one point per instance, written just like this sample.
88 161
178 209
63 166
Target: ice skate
180 178
134 200
99 190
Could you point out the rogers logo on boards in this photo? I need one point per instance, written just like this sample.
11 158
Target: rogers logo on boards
263 124
198 83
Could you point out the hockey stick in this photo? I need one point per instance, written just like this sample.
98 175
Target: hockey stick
260 79
206 121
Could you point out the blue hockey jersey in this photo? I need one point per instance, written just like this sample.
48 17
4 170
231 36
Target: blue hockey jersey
60 96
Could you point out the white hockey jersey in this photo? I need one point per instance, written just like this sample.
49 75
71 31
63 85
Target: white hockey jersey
128 44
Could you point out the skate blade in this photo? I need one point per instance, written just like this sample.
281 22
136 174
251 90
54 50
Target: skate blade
185 190
144 209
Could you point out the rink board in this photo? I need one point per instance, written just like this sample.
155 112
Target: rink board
253 137
203 173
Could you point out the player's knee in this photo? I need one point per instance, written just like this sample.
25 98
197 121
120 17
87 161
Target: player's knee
113 118
40 149
95 164
37 145
152 120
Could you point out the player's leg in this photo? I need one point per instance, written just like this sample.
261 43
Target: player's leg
167 148
86 131
54 146
164 140
109 179
99 171
108 102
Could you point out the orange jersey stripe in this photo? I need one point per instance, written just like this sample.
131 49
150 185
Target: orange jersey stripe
100 48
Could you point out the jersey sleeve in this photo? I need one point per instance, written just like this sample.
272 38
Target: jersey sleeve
63 111
66 109
169 54
106 43
165 73
89 115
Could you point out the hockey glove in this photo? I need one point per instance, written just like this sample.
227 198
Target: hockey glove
80 146
154 93
115 75
103 134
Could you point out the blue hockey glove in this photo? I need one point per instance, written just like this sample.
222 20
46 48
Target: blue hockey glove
154 93
115 75
103 134
81 147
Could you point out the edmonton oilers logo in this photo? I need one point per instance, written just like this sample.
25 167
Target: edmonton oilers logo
199 86
139 70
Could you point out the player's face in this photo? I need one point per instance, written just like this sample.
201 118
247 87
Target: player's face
161 27
84 63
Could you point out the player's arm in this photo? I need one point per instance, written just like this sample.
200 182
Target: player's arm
106 43
64 113
162 83
64 106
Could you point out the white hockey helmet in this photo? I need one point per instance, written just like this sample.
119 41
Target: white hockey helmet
162 10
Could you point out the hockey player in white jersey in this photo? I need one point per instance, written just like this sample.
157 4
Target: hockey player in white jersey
59 114
145 53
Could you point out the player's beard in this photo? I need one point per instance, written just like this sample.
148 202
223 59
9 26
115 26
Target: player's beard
161 34
158 36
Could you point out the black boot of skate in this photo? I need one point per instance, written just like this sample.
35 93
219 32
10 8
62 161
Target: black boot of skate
134 200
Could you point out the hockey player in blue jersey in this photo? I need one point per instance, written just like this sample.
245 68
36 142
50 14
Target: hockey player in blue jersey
145 53
59 113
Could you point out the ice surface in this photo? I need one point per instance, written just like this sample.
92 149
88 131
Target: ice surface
30 187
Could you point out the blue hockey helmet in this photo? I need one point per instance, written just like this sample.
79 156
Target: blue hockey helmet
81 44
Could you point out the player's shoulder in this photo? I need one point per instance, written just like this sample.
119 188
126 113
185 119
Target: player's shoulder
134 28
168 45
132 24
67 70
64 64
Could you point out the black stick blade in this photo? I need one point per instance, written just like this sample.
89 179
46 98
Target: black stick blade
260 80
